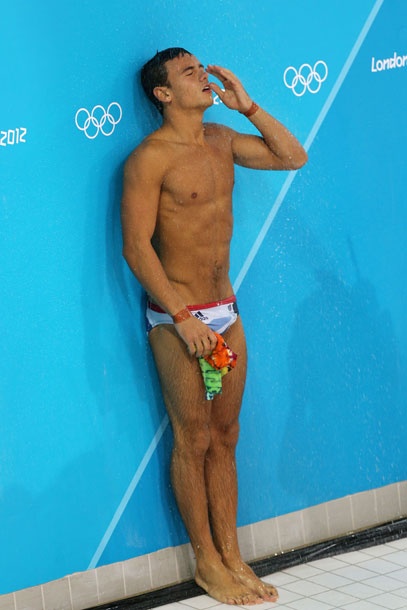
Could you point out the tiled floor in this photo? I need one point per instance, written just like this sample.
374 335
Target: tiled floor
372 579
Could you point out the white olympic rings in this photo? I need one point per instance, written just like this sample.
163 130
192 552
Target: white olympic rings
302 79
93 122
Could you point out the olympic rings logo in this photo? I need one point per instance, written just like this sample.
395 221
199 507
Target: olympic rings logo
306 78
99 120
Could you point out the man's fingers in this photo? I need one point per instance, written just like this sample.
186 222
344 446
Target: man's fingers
206 348
199 339
202 346
210 344
196 348
191 349
223 74
216 89
218 73
218 70
213 340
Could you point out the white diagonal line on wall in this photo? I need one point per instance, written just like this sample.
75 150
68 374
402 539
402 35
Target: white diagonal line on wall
311 136
242 274
129 492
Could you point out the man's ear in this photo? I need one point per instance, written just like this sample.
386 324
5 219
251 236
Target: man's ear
163 94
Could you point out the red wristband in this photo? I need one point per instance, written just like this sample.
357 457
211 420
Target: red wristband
253 108
182 315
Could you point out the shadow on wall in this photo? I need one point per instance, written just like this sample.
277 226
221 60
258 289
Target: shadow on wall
135 533
343 367
118 360
62 533
108 284
119 364
107 289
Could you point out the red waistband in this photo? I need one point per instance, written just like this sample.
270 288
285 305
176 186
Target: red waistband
231 299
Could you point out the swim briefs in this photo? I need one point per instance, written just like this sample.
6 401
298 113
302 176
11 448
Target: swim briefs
219 315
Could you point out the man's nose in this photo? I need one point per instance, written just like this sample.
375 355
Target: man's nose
204 75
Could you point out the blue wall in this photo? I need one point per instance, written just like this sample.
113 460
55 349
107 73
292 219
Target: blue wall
319 265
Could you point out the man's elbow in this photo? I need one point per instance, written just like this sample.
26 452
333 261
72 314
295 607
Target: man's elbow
298 160
129 255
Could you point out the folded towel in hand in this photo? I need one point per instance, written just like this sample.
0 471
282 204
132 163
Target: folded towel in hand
215 366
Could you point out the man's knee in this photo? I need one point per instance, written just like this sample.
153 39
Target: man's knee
225 435
192 441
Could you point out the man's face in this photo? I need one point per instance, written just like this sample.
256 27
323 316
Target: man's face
188 82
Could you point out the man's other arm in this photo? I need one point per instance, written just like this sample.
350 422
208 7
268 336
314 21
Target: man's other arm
143 177
141 193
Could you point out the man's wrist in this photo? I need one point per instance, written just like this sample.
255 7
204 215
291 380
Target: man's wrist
253 108
181 316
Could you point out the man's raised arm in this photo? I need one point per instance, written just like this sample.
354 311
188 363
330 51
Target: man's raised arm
277 149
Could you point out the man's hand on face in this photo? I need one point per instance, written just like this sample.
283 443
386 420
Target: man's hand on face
233 94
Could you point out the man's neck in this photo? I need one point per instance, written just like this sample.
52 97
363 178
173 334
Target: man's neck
186 128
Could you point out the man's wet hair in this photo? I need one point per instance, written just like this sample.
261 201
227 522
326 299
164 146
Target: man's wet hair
154 73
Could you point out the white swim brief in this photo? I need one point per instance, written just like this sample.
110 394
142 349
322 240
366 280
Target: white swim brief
219 315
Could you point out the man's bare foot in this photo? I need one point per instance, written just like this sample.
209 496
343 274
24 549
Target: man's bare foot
242 572
221 584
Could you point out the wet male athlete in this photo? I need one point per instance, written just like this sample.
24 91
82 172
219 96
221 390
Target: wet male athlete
177 226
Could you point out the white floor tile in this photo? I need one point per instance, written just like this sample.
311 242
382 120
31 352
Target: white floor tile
265 606
330 581
335 598
286 596
363 605
399 544
390 601
304 588
310 604
201 602
353 572
302 571
400 575
399 557
402 593
279 578
384 583
355 557
379 551
379 565
360 590
328 564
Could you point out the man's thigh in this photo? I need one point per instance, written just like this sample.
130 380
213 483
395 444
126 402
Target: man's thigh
182 384
226 406
180 378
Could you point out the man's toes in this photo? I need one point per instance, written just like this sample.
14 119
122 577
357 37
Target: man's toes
251 600
272 591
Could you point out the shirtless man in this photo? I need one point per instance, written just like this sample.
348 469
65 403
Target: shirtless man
177 226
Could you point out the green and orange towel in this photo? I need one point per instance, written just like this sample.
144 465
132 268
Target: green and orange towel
215 366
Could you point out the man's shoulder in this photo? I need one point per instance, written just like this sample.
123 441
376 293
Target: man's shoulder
153 150
220 135
153 144
216 129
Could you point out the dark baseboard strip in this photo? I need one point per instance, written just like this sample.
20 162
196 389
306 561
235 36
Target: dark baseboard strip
394 530
353 542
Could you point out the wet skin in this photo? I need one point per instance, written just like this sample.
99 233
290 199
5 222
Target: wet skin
177 227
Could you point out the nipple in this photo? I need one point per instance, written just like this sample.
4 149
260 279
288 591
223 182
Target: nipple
194 195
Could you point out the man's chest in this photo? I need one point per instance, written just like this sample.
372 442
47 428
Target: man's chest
199 175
